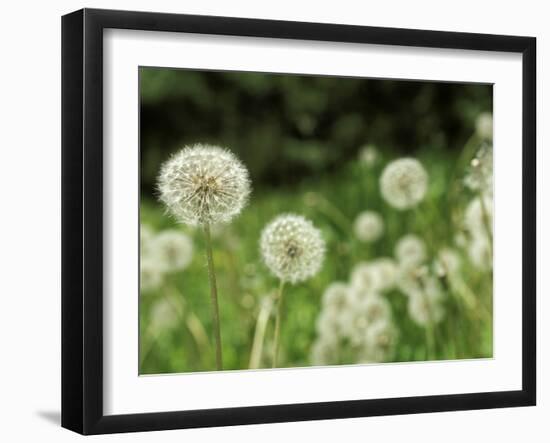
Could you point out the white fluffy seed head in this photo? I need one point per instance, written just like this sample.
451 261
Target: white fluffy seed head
292 248
479 176
479 216
146 236
336 297
410 250
151 276
364 278
368 226
173 250
404 183
374 276
479 252
164 314
484 125
363 315
387 272
380 341
204 184
324 352
426 307
328 323
447 262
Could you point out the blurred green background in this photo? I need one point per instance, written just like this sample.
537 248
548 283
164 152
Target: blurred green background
301 139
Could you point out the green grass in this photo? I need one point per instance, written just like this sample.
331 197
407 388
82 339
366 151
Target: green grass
332 202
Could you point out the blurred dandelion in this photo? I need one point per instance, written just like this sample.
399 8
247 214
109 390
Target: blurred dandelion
328 323
484 126
410 250
357 315
477 210
164 314
478 221
173 250
293 250
151 275
368 155
425 306
146 235
447 262
336 296
387 272
425 303
368 226
204 185
479 176
403 183
366 312
380 342
364 277
324 352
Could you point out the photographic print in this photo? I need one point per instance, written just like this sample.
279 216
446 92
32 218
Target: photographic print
296 220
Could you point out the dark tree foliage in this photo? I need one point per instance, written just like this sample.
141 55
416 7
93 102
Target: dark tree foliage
286 127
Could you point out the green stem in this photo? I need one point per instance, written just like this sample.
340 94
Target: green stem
429 329
486 223
213 297
259 333
199 336
278 323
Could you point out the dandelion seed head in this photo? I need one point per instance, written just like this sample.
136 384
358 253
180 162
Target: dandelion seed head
477 210
292 248
146 236
479 252
145 233
364 278
386 270
410 277
479 176
368 226
328 323
336 296
324 352
164 314
380 341
447 262
365 312
173 250
377 308
404 183
484 125
204 184
151 276
410 250
426 301
424 310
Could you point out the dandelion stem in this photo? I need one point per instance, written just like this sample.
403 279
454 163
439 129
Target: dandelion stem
259 333
199 335
278 323
429 329
334 214
213 297
486 223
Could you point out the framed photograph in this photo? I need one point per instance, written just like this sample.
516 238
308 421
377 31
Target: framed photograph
269 221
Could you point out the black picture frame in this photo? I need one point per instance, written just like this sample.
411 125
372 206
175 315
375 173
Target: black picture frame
82 220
